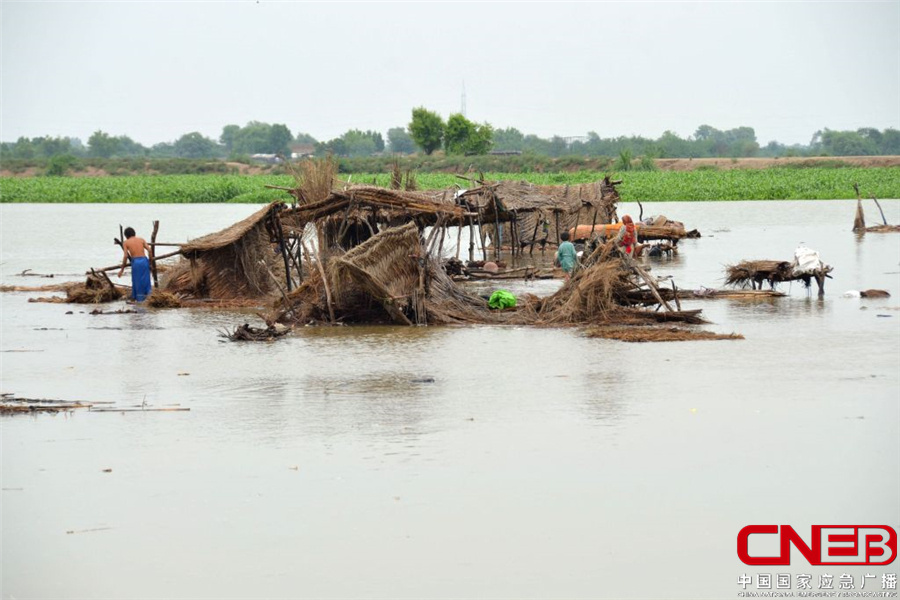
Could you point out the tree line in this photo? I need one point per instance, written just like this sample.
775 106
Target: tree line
427 132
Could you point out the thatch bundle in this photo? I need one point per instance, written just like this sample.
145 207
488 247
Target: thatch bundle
754 272
94 290
593 294
657 334
162 299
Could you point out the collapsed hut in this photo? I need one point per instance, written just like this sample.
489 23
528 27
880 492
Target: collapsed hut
520 215
395 277
246 260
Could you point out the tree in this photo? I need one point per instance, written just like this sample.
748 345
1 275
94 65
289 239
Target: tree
890 142
377 139
128 147
358 143
195 145
228 137
462 136
399 141
23 148
280 138
457 133
102 145
509 140
426 129
162 150
305 138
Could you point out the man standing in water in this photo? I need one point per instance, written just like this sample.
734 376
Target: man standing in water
134 248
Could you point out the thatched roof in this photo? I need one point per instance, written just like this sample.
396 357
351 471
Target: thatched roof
384 203
521 197
229 235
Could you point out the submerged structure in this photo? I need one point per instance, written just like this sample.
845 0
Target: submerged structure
366 254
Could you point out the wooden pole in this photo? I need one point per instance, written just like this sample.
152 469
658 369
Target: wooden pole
441 243
538 217
883 218
499 239
471 239
556 215
675 291
481 235
646 277
153 253
282 246
514 233
155 258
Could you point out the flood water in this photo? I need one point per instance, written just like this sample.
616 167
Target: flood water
465 462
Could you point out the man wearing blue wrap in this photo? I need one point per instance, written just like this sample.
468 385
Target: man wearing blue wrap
134 248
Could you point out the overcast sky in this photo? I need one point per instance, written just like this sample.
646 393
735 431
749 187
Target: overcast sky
156 70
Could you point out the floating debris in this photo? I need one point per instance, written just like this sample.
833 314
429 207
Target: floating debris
657 334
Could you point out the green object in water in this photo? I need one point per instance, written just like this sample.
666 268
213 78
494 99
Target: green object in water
502 299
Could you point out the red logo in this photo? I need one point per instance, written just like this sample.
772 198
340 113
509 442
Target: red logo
829 545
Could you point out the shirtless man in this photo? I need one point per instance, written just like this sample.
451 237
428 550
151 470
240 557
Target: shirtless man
134 248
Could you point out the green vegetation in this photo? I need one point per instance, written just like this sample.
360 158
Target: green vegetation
426 129
462 136
765 184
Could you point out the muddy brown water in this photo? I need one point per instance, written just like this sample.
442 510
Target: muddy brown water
489 462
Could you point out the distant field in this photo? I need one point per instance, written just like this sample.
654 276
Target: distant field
703 184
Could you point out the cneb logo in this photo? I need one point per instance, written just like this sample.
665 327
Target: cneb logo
829 545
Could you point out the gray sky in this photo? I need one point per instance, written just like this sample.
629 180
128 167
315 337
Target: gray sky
156 70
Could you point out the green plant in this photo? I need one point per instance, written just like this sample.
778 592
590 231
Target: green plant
60 164
624 161
647 163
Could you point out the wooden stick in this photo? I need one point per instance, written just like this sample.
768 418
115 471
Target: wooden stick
498 241
650 284
514 233
481 235
556 215
287 303
153 253
118 266
106 277
675 291
538 217
879 209
471 239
